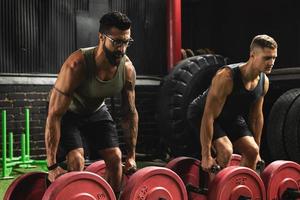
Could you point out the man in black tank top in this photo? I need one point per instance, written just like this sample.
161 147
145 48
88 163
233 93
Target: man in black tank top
77 114
228 115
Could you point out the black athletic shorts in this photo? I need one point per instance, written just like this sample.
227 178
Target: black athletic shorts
92 132
233 129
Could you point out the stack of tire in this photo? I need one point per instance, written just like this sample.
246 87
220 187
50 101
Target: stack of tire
187 80
283 130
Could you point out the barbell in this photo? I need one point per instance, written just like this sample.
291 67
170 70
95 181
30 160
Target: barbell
233 182
72 185
149 183
280 180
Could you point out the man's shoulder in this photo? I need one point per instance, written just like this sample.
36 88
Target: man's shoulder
224 74
128 65
128 62
223 80
75 61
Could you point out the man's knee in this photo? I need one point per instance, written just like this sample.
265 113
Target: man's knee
227 152
75 160
252 152
224 152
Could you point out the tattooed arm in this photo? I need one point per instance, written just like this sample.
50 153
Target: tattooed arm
129 115
68 79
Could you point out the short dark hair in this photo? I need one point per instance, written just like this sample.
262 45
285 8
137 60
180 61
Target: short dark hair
114 19
263 41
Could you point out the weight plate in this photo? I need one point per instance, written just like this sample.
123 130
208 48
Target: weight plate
27 186
79 186
280 175
188 170
235 160
235 182
97 167
152 183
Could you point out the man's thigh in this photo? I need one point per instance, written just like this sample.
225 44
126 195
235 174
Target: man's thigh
99 136
70 137
243 144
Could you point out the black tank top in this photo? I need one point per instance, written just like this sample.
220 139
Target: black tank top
237 103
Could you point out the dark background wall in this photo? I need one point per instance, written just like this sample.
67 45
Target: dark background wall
227 27
37 36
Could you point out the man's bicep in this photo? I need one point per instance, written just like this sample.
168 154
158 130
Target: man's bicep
214 105
217 96
58 103
67 81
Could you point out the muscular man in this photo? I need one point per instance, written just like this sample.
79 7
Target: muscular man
229 113
77 110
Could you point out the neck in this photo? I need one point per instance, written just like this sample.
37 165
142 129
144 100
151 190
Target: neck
249 72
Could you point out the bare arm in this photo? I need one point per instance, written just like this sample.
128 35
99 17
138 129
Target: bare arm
68 79
129 113
256 118
220 88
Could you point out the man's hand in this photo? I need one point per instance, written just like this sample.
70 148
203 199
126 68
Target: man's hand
130 165
55 173
207 163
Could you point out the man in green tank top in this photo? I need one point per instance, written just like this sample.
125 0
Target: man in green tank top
77 111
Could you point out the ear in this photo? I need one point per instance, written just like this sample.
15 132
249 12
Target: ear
100 36
253 53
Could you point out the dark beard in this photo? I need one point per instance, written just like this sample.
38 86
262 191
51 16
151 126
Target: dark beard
112 56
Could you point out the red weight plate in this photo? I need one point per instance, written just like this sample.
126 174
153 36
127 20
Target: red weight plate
234 182
79 186
188 170
97 167
153 183
28 186
235 160
280 175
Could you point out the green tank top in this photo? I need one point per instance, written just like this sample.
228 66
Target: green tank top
91 93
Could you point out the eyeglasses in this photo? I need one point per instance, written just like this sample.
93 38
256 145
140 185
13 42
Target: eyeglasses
119 43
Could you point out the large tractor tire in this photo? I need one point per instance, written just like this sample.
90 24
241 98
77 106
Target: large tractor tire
278 136
187 80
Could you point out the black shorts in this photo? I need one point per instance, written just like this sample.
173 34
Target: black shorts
92 132
233 129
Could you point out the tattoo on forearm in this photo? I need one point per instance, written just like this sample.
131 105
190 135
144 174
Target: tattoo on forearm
61 92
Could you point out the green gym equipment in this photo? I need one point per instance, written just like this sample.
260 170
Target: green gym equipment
9 162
